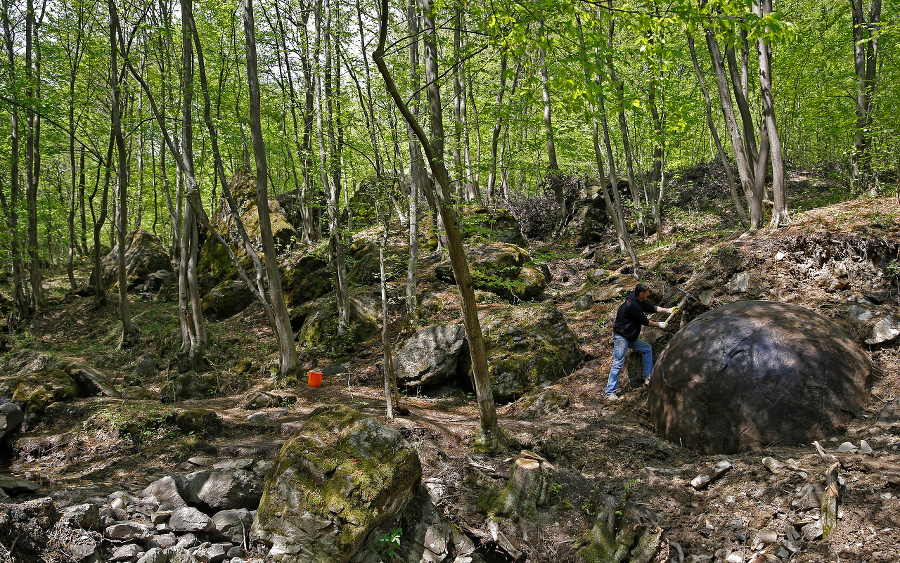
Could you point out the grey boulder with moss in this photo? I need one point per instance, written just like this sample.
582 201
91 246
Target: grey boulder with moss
431 356
338 478
528 345
501 268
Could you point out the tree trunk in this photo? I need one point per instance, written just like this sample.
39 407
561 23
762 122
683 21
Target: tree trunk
745 172
780 215
490 431
128 330
735 198
865 59
32 158
417 175
289 362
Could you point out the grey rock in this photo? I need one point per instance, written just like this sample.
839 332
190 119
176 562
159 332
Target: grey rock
82 545
14 486
187 541
223 489
127 552
162 541
885 331
189 519
860 314
865 448
128 531
847 447
11 418
166 490
146 368
232 525
739 283
258 417
767 536
211 553
431 356
85 516
154 555
584 302
711 474
812 531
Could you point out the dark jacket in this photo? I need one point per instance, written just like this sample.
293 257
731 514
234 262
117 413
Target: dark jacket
631 316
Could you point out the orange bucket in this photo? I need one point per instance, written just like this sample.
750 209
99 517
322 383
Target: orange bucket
315 379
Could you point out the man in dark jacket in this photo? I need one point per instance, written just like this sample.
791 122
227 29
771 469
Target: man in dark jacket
631 316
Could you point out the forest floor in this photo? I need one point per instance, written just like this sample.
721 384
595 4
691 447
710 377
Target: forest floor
597 446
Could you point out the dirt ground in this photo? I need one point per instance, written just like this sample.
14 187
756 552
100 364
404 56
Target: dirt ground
596 446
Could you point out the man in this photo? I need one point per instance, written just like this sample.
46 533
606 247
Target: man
630 317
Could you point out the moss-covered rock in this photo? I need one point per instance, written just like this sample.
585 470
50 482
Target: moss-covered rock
503 269
215 266
318 322
198 421
366 268
492 224
35 391
226 299
309 278
528 345
144 255
333 482
622 531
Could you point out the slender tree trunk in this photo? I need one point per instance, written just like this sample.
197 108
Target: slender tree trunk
780 216
100 297
745 172
32 158
865 60
128 329
490 430
22 302
417 175
495 136
735 198
288 360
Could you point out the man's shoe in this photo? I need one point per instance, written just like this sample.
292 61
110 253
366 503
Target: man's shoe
647 382
612 397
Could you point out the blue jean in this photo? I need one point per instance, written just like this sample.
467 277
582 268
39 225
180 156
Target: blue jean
620 350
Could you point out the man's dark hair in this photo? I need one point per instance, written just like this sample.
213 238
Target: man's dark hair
641 288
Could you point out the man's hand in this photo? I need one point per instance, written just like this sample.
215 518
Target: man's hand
663 324
674 310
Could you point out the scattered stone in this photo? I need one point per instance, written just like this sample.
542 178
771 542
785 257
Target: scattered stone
812 531
860 314
166 490
710 475
258 417
886 330
767 536
189 519
865 448
126 552
14 486
772 464
128 531
584 302
847 447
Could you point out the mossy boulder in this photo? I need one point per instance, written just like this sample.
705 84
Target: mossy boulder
214 263
492 224
501 268
366 268
527 346
589 221
318 322
622 531
226 299
333 482
35 391
309 278
187 386
144 255
198 421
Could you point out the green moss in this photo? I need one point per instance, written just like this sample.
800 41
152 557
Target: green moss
37 390
197 421
330 472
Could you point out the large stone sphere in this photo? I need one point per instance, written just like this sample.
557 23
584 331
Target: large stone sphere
752 374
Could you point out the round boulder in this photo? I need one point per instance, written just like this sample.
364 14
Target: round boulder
756 373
